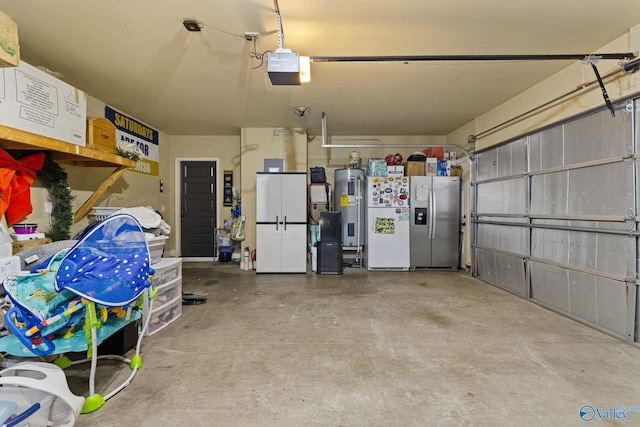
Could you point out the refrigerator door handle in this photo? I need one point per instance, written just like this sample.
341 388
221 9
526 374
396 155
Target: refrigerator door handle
285 223
429 216
434 211
277 222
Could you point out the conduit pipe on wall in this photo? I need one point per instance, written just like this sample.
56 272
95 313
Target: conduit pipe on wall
325 144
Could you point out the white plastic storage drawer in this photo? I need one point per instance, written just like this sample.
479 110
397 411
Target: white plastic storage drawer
166 270
162 316
168 292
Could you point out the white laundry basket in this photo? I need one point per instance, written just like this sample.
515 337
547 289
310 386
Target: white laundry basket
156 248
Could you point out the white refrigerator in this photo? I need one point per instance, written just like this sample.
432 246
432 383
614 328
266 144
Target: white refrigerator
281 222
387 246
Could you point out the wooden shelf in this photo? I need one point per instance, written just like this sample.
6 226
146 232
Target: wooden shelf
71 154
61 152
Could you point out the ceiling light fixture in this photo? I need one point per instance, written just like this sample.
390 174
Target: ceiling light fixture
192 25
301 112
305 69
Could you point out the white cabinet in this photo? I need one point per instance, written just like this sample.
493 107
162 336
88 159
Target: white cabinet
281 223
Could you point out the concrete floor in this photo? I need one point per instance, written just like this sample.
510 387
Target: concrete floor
368 349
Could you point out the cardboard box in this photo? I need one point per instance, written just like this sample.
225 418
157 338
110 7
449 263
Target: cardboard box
414 168
19 246
101 134
432 166
456 170
437 152
395 171
37 102
9 47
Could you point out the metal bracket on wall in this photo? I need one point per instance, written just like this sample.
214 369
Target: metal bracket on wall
605 95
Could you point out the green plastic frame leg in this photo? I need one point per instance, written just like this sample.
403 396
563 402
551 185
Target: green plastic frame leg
62 362
92 403
136 362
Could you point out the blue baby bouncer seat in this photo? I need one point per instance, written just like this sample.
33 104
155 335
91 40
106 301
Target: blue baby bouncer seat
80 296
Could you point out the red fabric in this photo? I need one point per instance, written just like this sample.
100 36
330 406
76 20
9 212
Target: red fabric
16 177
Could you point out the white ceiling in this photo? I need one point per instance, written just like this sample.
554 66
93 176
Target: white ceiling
137 57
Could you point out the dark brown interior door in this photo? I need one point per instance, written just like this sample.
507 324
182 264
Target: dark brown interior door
198 208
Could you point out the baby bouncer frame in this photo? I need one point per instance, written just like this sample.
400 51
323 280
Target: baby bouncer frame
79 297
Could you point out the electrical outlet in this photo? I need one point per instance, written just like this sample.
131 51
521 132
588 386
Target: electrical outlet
48 207
251 36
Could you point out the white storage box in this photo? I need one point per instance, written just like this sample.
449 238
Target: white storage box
9 266
156 247
167 301
25 237
6 249
37 102
164 315
395 171
432 166
166 270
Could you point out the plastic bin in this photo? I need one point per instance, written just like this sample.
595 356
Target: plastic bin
164 315
99 213
223 238
166 270
168 292
225 253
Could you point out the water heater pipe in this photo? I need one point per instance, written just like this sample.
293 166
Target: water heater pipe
324 129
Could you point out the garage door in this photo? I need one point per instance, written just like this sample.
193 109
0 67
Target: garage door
555 219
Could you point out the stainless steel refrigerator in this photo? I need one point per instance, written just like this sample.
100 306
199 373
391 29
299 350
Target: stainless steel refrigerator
281 222
435 222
